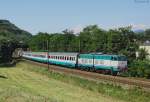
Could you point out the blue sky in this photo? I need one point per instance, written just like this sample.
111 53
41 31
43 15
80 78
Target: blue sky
56 15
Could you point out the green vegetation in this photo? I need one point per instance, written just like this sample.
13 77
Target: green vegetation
11 37
139 68
117 92
30 83
9 31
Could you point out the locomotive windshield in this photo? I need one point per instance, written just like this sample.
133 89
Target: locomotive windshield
122 58
119 58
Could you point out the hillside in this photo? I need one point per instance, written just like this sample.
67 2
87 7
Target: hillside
11 31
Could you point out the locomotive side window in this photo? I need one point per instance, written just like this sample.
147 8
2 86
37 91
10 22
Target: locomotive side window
111 58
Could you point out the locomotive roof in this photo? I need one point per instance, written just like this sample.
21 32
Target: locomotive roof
102 54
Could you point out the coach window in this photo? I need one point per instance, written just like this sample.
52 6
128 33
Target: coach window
65 58
70 58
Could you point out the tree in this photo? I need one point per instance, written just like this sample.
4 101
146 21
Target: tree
7 47
142 54
93 39
139 68
39 42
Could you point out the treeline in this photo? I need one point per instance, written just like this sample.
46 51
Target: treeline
11 37
122 41
92 39
7 48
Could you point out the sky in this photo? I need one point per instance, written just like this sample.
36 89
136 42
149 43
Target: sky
57 15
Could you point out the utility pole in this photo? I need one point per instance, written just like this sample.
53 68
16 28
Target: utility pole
48 53
79 46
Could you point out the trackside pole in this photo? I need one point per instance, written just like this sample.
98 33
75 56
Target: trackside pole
48 53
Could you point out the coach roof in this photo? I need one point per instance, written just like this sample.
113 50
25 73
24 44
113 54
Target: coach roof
63 53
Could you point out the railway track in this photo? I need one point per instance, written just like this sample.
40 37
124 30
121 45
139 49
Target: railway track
142 83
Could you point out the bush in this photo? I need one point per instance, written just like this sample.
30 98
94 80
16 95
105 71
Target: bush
139 68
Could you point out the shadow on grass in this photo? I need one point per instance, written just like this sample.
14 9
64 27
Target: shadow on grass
9 64
4 77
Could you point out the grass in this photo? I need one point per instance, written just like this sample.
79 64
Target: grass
30 83
130 95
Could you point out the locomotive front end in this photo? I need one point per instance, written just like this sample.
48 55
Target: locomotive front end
122 63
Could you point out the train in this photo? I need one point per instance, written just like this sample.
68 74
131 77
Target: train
94 62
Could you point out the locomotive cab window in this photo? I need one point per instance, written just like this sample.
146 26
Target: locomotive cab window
115 58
